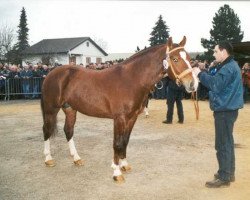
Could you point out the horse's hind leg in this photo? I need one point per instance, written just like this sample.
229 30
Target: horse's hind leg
69 131
49 128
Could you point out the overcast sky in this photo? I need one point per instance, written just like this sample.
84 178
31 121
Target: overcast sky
123 25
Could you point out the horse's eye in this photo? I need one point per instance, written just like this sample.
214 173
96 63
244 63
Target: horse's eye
175 60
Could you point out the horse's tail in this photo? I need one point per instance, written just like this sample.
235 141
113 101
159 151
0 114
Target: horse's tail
49 120
42 107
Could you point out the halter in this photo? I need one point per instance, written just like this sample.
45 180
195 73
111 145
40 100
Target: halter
178 77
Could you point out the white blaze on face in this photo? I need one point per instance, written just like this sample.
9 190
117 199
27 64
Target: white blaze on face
184 57
165 64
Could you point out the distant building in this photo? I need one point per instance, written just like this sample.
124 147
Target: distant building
65 51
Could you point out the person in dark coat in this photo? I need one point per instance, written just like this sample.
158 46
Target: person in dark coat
226 98
174 94
36 80
25 75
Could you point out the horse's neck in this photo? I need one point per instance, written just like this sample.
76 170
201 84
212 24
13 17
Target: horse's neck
147 68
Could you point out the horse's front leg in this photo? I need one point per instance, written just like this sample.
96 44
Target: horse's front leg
124 166
122 130
119 147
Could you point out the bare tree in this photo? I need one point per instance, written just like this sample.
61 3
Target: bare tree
6 39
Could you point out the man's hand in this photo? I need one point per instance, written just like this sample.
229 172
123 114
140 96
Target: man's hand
201 65
196 70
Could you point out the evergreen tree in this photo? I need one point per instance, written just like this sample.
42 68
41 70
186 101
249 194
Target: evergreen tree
22 43
160 33
226 26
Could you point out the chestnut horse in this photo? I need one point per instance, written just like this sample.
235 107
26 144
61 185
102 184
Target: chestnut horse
118 93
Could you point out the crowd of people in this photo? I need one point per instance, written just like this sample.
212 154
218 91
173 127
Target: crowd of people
29 78
28 72
23 77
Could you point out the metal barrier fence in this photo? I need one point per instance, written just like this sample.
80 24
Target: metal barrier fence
19 88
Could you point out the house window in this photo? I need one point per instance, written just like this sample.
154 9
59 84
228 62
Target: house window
98 60
88 60
87 44
72 60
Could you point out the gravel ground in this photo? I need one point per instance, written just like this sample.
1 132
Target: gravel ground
168 161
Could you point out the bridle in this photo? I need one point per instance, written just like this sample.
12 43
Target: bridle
178 77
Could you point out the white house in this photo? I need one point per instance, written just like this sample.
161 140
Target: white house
65 51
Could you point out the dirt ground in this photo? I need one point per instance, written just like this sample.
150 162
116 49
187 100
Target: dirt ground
169 162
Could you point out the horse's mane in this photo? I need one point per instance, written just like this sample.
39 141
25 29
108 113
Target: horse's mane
141 53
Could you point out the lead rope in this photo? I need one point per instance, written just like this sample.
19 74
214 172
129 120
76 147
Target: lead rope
194 96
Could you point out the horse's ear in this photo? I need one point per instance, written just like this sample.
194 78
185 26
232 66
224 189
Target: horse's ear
183 42
169 44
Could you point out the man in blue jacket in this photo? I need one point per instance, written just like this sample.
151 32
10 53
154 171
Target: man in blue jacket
226 97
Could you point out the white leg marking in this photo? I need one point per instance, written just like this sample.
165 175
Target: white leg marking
72 149
116 168
47 150
123 163
146 111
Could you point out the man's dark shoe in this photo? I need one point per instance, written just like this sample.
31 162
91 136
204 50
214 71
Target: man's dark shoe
232 177
217 183
167 122
180 122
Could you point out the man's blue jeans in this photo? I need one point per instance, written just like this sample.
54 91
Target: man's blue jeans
224 142
26 90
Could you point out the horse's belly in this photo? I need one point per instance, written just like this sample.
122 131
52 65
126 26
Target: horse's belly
93 111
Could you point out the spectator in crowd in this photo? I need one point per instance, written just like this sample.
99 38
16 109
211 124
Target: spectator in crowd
13 72
45 71
226 97
245 79
99 66
25 75
40 66
174 94
202 90
13 80
36 75
3 75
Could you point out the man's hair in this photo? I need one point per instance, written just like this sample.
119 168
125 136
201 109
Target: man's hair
227 46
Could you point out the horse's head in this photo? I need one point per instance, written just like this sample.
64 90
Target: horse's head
178 65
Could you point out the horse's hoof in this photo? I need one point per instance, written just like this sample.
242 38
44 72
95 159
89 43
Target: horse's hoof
78 162
119 179
126 168
50 163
